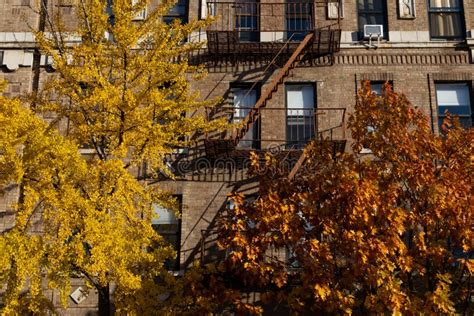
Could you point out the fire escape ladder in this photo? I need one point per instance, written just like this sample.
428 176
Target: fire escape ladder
297 166
337 144
292 62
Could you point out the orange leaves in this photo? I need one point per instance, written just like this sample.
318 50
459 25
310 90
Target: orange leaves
322 291
387 234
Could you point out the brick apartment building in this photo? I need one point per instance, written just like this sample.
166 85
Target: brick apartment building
288 69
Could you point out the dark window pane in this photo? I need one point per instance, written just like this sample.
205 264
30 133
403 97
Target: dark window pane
458 110
299 19
371 5
446 25
177 12
372 12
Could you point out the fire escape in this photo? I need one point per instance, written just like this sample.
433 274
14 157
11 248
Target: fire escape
271 39
245 30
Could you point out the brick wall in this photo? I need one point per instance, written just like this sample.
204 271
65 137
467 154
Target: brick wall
412 67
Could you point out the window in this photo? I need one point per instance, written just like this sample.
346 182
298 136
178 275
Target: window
372 12
377 85
446 19
247 20
110 12
244 99
169 227
298 18
178 12
456 99
299 114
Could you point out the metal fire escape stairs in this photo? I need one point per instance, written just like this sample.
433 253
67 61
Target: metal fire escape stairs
224 146
216 147
284 72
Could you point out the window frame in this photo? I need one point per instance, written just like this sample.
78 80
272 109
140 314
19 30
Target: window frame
176 265
440 115
252 33
289 142
447 10
256 140
184 18
383 13
306 14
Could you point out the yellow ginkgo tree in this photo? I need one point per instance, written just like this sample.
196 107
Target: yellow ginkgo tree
120 89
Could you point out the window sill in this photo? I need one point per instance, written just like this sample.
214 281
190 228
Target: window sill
407 44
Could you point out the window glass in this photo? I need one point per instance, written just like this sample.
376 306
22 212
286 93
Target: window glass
300 124
177 12
247 20
372 12
163 216
243 101
445 3
298 19
376 88
168 225
456 99
446 19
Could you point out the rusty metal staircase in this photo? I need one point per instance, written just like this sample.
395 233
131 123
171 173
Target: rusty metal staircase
297 166
218 146
337 147
292 62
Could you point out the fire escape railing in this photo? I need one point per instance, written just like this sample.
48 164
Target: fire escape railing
338 146
228 144
302 126
245 29
272 88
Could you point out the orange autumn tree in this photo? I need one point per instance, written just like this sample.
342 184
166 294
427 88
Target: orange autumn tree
389 232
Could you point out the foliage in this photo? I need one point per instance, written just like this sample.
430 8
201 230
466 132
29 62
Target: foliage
389 232
71 217
121 89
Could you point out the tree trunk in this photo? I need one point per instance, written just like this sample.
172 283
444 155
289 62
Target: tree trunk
104 301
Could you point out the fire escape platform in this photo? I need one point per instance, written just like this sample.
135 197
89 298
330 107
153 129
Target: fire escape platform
227 44
225 148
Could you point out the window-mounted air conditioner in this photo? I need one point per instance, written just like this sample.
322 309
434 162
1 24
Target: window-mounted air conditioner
373 30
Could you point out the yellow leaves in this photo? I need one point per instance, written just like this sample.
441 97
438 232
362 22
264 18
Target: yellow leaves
322 291
439 300
130 103
94 216
279 280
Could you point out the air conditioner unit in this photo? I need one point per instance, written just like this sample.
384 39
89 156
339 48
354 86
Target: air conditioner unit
373 30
